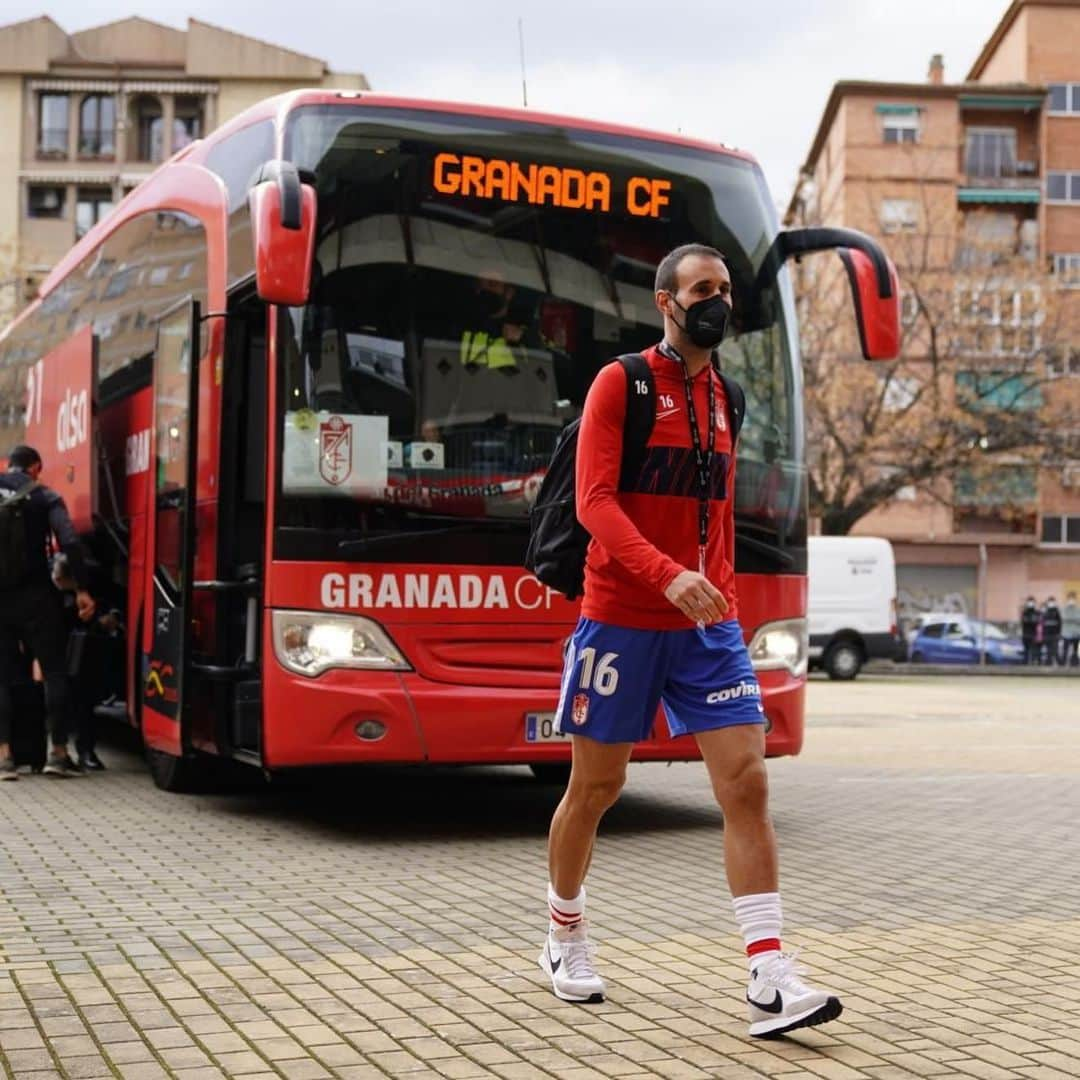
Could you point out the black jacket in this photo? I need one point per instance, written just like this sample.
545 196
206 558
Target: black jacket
1051 620
1029 623
46 514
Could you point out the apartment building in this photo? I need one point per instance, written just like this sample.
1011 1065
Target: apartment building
969 169
88 115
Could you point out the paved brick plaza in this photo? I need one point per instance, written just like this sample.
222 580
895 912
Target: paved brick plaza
389 926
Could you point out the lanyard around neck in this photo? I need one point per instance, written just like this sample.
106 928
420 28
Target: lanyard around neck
703 455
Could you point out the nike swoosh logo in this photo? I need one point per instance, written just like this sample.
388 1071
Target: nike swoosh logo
775 1006
555 964
663 415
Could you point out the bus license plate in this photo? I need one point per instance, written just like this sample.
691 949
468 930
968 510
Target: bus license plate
540 727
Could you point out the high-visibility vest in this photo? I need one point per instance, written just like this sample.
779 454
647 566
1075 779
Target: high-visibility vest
480 348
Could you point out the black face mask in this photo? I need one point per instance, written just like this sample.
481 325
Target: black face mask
706 321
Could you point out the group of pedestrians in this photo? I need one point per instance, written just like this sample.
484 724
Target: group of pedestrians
49 621
1051 635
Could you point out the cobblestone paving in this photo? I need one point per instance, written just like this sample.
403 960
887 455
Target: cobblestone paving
388 925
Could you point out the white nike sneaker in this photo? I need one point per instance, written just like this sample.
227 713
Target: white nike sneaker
780 1001
568 958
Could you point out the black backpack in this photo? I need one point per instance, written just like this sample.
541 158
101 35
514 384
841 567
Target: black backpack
558 542
14 564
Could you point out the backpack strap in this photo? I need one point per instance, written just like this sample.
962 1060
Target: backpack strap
736 404
19 494
640 415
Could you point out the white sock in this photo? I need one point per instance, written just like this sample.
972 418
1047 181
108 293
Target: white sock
760 920
563 913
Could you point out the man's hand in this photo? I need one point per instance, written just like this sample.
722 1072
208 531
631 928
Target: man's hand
697 598
85 604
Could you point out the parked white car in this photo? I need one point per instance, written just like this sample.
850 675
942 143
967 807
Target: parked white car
851 606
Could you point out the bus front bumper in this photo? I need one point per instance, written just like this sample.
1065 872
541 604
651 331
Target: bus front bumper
350 717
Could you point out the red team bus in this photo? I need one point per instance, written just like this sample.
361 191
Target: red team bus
300 388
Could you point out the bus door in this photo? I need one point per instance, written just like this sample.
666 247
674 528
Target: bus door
166 639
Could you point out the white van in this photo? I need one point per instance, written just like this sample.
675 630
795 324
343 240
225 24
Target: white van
851 607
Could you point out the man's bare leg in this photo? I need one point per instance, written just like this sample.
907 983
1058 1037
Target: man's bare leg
735 758
777 997
597 777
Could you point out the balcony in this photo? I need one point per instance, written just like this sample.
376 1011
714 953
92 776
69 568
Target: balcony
991 172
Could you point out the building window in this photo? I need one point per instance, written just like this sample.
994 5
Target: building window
1004 485
1064 99
988 391
188 125
1060 529
1063 187
1067 269
991 153
1062 362
899 214
899 123
53 125
97 126
147 127
45 201
901 392
92 205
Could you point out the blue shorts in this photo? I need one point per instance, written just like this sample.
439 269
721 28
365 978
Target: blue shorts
614 679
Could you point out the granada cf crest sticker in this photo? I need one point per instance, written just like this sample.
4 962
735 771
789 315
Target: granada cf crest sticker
335 450
580 710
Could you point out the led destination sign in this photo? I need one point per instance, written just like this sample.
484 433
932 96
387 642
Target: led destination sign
477 177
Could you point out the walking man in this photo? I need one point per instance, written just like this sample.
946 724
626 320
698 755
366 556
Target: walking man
659 624
30 607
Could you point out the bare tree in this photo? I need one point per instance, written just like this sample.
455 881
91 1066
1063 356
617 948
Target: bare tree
973 400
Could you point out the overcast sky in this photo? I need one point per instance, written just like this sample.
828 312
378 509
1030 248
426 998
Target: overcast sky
750 74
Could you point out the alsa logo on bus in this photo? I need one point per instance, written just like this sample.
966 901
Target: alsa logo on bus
72 420
420 590
137 453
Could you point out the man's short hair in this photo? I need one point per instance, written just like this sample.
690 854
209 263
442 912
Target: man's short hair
23 457
666 280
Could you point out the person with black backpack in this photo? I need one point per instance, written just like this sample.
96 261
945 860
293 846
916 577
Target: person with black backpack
30 607
651 507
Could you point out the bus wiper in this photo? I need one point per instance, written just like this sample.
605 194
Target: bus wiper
362 543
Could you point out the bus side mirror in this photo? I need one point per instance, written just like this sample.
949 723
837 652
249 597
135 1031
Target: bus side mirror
877 312
283 211
875 286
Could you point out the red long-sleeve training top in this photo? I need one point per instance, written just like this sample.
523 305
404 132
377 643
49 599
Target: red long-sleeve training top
645 536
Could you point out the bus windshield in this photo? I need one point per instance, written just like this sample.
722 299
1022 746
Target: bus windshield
472 275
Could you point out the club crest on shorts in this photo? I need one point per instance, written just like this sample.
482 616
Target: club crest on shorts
580 709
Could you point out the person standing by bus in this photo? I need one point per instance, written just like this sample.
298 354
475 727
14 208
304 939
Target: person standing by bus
659 624
1051 621
1070 632
1030 620
92 659
30 607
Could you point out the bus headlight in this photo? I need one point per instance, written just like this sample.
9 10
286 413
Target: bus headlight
778 645
311 642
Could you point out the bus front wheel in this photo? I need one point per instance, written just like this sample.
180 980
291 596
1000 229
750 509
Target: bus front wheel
171 773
